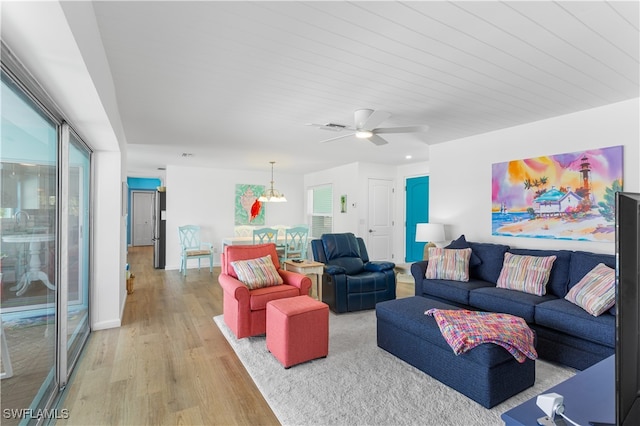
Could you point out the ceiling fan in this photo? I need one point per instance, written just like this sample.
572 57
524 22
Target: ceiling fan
365 122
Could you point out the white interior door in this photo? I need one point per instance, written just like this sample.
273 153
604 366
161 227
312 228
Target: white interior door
142 218
380 231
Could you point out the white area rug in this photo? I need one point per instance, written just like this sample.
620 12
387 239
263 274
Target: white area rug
361 384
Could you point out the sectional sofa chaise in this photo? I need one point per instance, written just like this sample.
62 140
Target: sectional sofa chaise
566 333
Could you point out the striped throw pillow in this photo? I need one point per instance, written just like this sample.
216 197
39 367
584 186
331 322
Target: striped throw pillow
448 264
596 291
257 273
528 274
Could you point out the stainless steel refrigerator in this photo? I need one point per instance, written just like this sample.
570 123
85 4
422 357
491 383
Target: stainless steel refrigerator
160 230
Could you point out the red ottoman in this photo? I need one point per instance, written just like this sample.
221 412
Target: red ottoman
297 329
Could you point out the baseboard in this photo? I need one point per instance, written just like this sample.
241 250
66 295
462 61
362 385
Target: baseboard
104 325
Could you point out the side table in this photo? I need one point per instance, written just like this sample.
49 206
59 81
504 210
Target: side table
404 280
308 267
403 268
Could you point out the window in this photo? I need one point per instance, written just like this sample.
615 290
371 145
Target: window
320 210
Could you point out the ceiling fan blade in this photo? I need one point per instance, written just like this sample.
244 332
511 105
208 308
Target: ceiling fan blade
370 122
408 129
337 137
377 140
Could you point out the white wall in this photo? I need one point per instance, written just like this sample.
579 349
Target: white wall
108 284
206 197
460 171
352 180
343 181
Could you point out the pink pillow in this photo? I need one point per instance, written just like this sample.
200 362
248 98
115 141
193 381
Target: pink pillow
448 264
528 274
596 291
257 273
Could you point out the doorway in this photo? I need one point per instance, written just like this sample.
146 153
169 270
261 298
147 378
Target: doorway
380 232
417 211
142 205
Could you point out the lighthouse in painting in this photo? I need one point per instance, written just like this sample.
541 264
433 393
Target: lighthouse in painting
585 171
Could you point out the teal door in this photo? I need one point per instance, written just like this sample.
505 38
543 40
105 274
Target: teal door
417 209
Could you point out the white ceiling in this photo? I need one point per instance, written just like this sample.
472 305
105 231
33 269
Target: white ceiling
234 83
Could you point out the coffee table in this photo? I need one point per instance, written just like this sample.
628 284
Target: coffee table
589 396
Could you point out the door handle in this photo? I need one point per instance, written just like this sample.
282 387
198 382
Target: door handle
371 230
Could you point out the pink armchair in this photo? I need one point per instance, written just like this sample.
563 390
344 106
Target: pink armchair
245 310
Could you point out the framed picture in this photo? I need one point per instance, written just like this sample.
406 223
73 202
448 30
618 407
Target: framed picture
343 204
249 210
566 196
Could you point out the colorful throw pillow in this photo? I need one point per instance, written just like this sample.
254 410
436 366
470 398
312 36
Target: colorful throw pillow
448 264
257 273
461 243
528 274
596 291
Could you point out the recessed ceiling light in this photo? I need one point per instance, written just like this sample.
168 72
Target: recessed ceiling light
408 157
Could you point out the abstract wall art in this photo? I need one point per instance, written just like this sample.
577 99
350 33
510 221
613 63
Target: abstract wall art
566 196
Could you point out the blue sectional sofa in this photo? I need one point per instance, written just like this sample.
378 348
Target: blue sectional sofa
566 333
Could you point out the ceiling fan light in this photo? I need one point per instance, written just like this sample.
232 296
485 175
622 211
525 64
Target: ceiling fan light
364 134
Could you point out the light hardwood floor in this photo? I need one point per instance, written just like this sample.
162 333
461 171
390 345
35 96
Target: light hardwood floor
168 363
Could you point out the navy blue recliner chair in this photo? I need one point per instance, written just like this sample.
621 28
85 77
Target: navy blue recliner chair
350 281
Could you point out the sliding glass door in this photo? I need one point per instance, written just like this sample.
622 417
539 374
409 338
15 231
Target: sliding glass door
75 242
29 144
45 177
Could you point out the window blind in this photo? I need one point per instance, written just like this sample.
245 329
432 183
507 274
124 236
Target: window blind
321 211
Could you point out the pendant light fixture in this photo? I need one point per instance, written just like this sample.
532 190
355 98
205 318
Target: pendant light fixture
272 195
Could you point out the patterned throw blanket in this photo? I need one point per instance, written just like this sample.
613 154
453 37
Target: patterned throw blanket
464 330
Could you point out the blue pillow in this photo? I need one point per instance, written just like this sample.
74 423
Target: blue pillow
461 243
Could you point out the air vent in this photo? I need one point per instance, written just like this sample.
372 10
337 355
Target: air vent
334 127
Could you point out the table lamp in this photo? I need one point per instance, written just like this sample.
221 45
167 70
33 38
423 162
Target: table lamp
429 233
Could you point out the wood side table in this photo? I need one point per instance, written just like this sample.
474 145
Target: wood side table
403 268
308 267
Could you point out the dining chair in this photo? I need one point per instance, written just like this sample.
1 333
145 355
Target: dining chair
243 231
295 243
192 248
265 235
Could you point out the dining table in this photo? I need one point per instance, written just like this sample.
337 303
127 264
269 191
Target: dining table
35 272
234 241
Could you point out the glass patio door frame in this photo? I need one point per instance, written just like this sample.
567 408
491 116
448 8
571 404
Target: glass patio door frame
52 387
69 138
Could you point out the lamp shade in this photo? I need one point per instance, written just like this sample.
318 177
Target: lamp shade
429 232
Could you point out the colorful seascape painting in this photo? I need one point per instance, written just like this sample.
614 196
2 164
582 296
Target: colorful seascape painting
567 196
249 211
